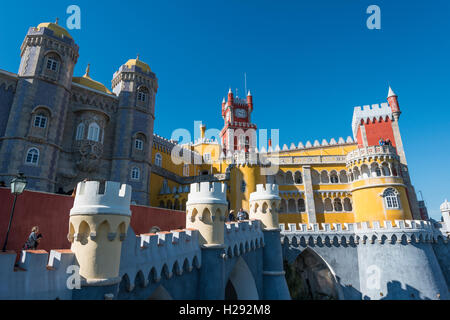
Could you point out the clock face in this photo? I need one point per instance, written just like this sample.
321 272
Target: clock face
240 113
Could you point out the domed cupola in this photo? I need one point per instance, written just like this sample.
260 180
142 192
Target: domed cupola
87 81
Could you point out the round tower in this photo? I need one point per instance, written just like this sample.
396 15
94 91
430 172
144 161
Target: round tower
379 192
264 203
98 224
136 86
206 209
393 103
39 109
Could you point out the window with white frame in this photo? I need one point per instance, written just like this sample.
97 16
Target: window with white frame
391 200
40 121
207 157
32 156
93 132
142 96
139 144
158 160
135 173
52 63
80 132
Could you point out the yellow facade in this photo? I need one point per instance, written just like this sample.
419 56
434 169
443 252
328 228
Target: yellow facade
344 189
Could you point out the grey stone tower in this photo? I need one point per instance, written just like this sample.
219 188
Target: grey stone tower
136 86
33 137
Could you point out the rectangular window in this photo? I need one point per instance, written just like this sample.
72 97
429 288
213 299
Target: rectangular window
142 96
52 64
139 144
40 121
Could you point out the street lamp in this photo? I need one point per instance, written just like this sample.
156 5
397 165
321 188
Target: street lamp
18 184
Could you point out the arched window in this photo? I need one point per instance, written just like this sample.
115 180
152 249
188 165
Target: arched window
347 205
334 177
52 62
158 159
291 206
40 121
343 178
93 132
375 169
142 94
135 173
80 131
324 177
139 144
283 206
391 200
298 177
280 178
385 169
337 204
289 178
301 205
32 156
356 173
328 206
365 172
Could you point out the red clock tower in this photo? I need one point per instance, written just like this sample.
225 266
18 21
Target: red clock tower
237 131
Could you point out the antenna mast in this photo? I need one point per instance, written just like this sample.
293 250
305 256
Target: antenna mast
245 83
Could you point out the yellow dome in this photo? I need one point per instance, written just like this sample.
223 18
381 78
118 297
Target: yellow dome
87 81
136 62
57 29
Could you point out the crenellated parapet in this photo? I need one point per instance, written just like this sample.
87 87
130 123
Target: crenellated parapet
154 256
98 222
242 237
264 204
38 275
362 233
206 210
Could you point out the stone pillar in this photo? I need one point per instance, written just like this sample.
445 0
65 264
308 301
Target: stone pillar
264 206
206 210
309 194
98 225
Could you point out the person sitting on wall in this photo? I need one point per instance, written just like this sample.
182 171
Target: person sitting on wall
388 142
231 216
33 239
241 215
381 142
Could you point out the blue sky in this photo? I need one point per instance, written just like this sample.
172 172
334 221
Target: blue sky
308 63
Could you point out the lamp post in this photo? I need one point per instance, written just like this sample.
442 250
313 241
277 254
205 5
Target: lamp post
18 184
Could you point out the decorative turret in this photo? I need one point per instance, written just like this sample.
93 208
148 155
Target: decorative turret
230 98
264 203
206 208
98 225
393 103
445 210
250 100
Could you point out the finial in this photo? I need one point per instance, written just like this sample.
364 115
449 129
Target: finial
391 93
57 20
88 69
249 93
229 91
137 58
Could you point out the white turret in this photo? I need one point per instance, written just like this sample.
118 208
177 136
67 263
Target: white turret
264 203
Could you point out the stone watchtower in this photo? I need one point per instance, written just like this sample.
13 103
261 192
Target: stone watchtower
98 225
206 210
33 138
264 204
136 86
